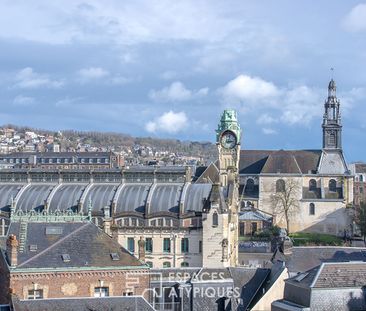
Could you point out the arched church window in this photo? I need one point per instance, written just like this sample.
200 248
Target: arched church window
332 185
215 219
250 185
280 185
312 185
312 209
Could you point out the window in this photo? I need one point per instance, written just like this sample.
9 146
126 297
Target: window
149 263
160 222
166 245
242 228
332 139
35 294
332 185
312 209
254 227
200 246
166 264
280 185
131 245
361 190
185 245
215 219
101 292
184 264
250 185
148 245
312 185
361 177
134 222
126 221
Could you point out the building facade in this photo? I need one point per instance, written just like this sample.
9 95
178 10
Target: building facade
62 160
64 255
318 182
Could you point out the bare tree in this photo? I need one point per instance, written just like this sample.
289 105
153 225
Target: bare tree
360 219
285 201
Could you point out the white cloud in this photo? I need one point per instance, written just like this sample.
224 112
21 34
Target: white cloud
355 20
27 78
268 131
248 89
21 100
176 92
266 119
170 122
92 73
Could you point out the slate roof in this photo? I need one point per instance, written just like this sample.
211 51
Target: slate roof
86 244
134 303
209 175
279 161
305 258
250 281
333 275
254 215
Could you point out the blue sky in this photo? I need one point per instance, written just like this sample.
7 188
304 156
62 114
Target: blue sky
168 68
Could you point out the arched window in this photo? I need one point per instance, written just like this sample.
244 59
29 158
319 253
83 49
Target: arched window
166 264
361 177
312 185
215 219
312 209
280 185
332 185
184 264
250 185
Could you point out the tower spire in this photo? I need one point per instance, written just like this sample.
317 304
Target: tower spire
332 126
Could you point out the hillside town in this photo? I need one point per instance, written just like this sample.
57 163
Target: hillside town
20 140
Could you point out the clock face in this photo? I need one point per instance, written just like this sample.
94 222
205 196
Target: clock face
228 140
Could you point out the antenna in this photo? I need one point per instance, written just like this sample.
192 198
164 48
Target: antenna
332 72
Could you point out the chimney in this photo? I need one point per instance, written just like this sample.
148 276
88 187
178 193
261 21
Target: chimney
12 250
141 244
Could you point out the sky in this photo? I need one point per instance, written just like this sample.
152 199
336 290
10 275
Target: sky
169 68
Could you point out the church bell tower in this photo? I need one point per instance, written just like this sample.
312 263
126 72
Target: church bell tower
332 126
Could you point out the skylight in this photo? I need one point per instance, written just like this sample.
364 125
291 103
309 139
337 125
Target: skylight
53 230
65 257
114 256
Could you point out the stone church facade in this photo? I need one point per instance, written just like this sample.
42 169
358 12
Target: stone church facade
323 183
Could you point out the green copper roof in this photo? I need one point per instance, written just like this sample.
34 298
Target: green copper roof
229 121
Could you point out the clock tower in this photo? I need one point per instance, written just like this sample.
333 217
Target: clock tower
228 135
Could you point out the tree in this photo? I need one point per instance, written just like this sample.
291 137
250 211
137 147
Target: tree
285 201
360 219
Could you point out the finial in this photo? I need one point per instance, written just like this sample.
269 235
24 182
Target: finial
331 72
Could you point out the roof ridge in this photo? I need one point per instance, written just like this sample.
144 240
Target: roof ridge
55 244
